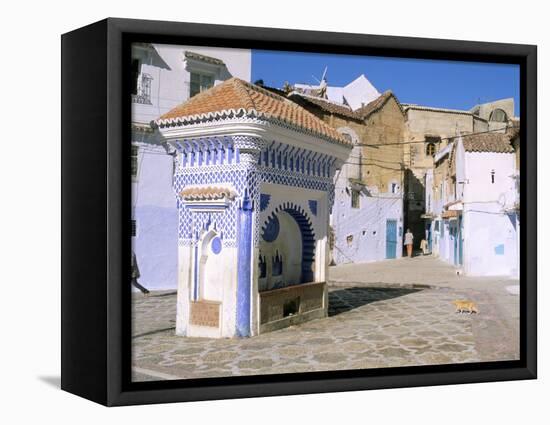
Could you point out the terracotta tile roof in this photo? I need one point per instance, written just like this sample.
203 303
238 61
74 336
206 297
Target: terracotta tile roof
206 193
370 108
487 142
235 97
203 58
325 105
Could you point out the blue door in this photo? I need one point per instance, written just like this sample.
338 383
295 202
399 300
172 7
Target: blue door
455 247
391 238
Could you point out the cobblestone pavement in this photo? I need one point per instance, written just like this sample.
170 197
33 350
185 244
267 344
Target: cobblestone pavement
369 326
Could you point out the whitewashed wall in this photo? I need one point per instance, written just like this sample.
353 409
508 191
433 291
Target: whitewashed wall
366 225
490 245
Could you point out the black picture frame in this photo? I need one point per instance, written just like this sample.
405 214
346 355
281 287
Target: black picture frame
96 209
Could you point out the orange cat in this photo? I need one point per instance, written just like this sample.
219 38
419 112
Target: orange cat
464 305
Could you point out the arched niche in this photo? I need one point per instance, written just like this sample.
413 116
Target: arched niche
287 248
211 274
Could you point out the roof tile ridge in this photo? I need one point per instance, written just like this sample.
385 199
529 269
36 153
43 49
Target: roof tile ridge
241 89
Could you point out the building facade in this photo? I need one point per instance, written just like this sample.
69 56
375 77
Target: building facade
367 218
473 211
254 183
164 76
428 131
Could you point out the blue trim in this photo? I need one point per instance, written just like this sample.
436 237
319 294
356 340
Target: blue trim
199 206
244 275
216 245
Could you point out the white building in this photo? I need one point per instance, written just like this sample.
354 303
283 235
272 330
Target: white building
164 76
367 221
356 94
475 222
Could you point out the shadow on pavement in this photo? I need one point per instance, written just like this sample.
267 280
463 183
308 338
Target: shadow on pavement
342 300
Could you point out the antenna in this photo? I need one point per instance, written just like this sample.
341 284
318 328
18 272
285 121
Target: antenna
324 74
322 78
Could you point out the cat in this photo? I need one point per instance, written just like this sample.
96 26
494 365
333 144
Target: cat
465 306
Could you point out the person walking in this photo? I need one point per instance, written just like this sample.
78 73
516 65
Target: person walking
409 242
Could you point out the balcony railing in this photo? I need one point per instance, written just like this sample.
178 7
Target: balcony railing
143 94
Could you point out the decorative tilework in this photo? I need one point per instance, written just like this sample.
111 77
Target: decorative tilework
307 233
313 206
264 201
271 230
218 161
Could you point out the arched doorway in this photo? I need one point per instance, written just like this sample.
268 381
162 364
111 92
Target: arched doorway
287 248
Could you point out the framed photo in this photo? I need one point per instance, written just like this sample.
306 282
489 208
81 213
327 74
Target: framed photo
252 212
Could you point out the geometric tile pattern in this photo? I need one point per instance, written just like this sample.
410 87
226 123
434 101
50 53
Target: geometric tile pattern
218 161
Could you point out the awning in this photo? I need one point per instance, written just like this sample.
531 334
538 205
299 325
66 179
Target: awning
455 206
449 214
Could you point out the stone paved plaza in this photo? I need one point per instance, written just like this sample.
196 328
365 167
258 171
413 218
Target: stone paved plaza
386 314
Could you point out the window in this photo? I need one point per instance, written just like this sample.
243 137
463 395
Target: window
136 68
431 144
141 84
200 83
349 239
133 225
355 198
134 163
498 115
394 187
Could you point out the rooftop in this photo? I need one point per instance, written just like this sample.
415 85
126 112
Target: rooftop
408 106
235 97
325 105
370 108
487 142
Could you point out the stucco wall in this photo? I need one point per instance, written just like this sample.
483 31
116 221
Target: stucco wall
490 233
366 226
155 213
489 242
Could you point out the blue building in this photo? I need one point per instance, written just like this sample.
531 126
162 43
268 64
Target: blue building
254 179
